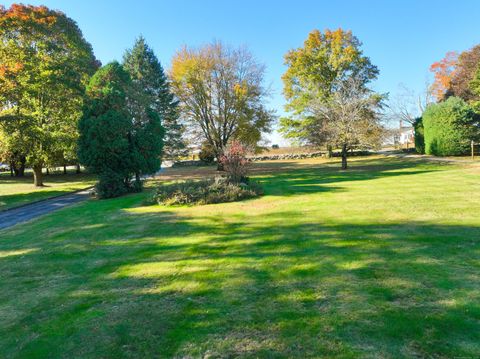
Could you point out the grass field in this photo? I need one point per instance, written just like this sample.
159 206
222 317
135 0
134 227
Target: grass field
16 191
380 261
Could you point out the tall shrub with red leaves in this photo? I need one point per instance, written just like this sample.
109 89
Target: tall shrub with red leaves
235 161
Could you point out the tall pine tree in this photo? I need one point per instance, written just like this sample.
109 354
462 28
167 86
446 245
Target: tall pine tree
119 136
104 144
150 80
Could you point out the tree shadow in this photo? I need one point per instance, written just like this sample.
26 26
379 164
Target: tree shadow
328 177
143 283
312 177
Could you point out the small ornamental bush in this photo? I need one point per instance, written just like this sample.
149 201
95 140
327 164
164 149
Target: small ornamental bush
218 190
235 162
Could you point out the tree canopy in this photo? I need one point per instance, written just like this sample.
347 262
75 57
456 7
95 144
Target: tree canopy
324 61
328 99
454 73
115 141
149 78
221 94
45 64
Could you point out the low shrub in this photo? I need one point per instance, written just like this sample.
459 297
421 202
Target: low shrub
110 184
217 190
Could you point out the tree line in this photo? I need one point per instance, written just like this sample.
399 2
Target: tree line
59 106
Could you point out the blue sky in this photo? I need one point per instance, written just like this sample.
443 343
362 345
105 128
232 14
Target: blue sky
401 37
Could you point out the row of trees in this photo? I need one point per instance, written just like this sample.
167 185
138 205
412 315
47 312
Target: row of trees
58 106
330 103
326 85
46 66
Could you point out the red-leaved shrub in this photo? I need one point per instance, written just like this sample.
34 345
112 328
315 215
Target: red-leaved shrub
235 161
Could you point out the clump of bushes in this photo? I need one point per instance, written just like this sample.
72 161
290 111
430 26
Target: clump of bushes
448 127
216 190
234 186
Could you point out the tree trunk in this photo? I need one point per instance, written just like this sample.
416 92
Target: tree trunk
64 169
21 169
329 151
48 172
79 170
11 169
15 169
18 167
37 176
344 156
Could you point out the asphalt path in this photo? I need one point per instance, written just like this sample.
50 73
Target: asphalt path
11 217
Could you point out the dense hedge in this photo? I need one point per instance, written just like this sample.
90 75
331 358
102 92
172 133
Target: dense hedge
448 127
419 136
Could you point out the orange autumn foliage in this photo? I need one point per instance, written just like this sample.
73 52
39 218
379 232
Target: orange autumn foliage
444 71
6 70
27 13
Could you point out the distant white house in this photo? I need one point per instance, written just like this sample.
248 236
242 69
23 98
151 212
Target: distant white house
405 135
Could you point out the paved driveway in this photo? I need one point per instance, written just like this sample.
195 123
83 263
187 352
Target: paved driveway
14 216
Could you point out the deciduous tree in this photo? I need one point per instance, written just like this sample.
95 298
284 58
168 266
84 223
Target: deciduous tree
407 106
44 65
221 94
443 72
350 117
326 88
465 70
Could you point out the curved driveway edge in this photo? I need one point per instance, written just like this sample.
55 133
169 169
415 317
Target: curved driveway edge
27 212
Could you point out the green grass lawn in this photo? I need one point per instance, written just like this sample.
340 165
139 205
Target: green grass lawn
16 191
380 261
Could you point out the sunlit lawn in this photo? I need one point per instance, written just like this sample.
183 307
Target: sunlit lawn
16 191
382 261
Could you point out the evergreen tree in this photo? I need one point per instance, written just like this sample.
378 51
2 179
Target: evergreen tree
153 93
104 144
146 145
119 136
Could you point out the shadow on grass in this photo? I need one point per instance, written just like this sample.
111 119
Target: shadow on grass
329 177
162 284
314 177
